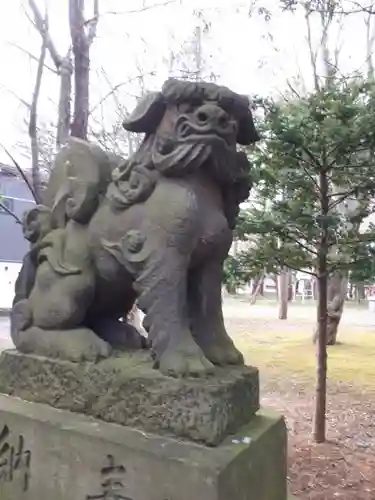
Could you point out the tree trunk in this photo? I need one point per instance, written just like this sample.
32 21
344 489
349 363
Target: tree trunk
258 285
275 280
336 295
283 293
360 292
63 121
82 34
319 424
254 285
81 90
370 40
290 286
231 289
314 285
33 134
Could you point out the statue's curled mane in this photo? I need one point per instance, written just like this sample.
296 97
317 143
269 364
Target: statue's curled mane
165 154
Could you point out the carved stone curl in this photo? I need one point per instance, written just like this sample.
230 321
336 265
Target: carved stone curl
155 228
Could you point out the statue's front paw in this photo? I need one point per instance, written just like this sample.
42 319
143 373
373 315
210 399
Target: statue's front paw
223 352
185 359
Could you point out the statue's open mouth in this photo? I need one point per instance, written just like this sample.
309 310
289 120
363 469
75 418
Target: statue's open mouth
189 131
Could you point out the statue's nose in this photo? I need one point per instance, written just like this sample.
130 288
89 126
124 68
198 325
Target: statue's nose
210 114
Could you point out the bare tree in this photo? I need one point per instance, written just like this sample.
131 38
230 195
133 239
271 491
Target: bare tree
64 69
83 33
35 167
36 184
190 61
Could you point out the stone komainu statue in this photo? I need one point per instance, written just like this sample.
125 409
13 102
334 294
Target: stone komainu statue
155 228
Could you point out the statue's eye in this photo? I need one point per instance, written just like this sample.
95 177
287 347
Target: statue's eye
202 116
166 147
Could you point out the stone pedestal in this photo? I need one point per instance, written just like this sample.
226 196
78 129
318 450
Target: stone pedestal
127 391
54 454
210 445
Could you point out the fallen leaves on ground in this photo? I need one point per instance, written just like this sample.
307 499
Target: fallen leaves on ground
342 468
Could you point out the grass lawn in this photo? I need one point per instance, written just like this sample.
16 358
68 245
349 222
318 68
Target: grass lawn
352 360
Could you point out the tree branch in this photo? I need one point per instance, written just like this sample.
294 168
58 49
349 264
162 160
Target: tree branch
6 209
22 101
142 9
302 160
309 175
21 172
360 8
34 58
35 171
116 88
294 91
299 243
346 194
40 26
93 24
284 264
302 245
311 156
313 54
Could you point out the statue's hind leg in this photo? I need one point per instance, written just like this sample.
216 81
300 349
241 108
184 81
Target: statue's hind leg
120 334
57 308
76 344
60 302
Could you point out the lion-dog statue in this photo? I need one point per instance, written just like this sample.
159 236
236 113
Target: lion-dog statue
155 228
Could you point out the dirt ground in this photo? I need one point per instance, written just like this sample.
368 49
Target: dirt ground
344 467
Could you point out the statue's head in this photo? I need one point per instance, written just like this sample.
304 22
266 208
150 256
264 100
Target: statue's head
192 123
36 223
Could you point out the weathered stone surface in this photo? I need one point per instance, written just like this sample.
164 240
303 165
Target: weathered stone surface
66 456
127 391
154 228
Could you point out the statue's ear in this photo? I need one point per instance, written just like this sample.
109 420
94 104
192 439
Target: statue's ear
247 133
147 114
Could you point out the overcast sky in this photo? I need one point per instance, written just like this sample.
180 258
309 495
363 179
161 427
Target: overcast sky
238 48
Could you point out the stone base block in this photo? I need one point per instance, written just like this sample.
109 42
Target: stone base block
126 390
46 453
